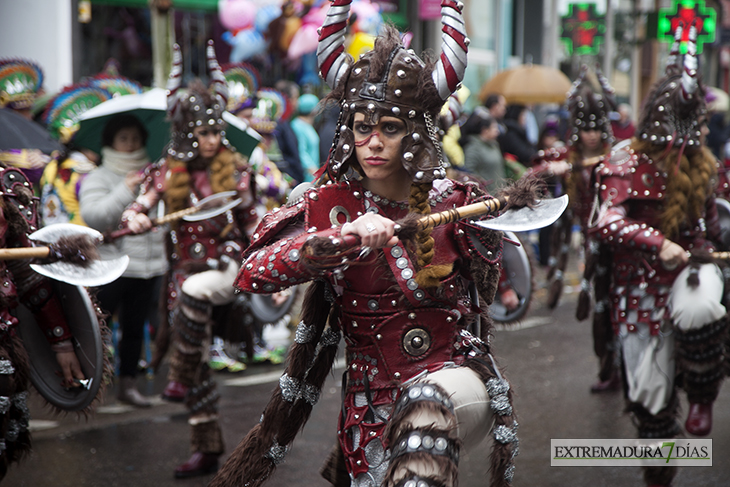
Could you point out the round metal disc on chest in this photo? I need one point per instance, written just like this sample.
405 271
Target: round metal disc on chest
197 250
416 342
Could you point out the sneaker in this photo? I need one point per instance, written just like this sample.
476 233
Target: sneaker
219 360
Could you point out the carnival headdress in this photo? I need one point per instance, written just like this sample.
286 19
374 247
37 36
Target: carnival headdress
65 109
20 81
243 83
676 105
393 81
588 108
194 106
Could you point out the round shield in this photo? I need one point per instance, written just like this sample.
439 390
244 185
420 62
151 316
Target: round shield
88 345
266 311
723 212
516 264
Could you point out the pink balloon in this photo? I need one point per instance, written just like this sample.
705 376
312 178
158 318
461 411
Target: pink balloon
237 14
304 41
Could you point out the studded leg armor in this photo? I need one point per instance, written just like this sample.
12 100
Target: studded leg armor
701 360
422 437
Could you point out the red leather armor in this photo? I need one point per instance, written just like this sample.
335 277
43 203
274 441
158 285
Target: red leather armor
632 190
393 329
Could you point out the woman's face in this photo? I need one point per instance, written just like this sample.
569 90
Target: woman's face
590 139
209 141
378 146
127 139
490 132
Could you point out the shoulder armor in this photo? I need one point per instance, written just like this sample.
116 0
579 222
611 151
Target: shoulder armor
12 181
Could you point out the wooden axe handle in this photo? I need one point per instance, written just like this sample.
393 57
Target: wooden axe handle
24 253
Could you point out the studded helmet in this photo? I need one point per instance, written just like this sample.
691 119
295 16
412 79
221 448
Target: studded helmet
676 105
589 109
194 106
392 81
20 81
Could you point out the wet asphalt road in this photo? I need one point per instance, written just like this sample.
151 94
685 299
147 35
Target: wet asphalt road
548 359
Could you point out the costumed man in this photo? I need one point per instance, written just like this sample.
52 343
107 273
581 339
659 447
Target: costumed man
655 206
418 382
204 255
589 141
22 285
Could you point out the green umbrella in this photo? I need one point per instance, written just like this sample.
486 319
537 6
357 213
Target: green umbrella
150 108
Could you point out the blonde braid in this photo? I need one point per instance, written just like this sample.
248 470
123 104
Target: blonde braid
428 276
177 188
222 169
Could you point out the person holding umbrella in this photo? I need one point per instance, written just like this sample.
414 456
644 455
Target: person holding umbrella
204 255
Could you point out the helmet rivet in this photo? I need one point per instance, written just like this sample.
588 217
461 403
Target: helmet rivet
419 175
371 106
346 147
407 59
408 156
358 70
411 114
343 128
400 73
416 136
395 110
372 88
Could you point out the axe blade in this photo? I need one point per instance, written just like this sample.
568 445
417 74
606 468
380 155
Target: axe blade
100 272
214 205
545 213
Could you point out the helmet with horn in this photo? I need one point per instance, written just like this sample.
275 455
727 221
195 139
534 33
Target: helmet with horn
392 81
589 108
675 107
194 106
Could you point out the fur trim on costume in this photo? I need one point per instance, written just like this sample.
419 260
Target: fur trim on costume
207 437
334 469
660 425
255 458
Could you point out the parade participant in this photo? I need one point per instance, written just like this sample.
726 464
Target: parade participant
18 217
655 205
590 139
21 81
104 195
205 254
403 307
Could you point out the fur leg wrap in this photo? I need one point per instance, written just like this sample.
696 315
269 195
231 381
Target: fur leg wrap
190 339
207 437
659 475
203 399
701 360
661 425
14 413
422 437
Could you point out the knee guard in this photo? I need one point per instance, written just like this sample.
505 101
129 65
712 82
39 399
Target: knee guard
701 360
422 438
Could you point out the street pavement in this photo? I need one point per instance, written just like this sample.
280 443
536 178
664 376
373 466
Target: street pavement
548 358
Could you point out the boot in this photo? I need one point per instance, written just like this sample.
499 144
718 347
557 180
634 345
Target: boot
610 385
699 419
129 394
198 464
175 391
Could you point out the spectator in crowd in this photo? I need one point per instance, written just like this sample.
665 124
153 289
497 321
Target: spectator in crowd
105 193
285 136
514 141
497 107
482 155
623 127
307 137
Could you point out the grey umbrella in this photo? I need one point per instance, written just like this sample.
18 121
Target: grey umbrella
17 132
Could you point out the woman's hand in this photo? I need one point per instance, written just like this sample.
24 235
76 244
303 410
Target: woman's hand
70 367
139 222
374 230
133 179
671 255
558 168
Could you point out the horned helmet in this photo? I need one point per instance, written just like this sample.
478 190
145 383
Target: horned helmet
589 109
676 104
392 81
195 106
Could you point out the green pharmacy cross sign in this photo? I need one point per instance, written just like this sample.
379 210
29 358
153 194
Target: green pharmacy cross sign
687 11
583 30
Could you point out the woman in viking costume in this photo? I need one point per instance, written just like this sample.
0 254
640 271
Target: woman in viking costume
204 255
589 141
655 207
401 302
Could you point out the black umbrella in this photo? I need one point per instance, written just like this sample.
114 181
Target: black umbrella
17 132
